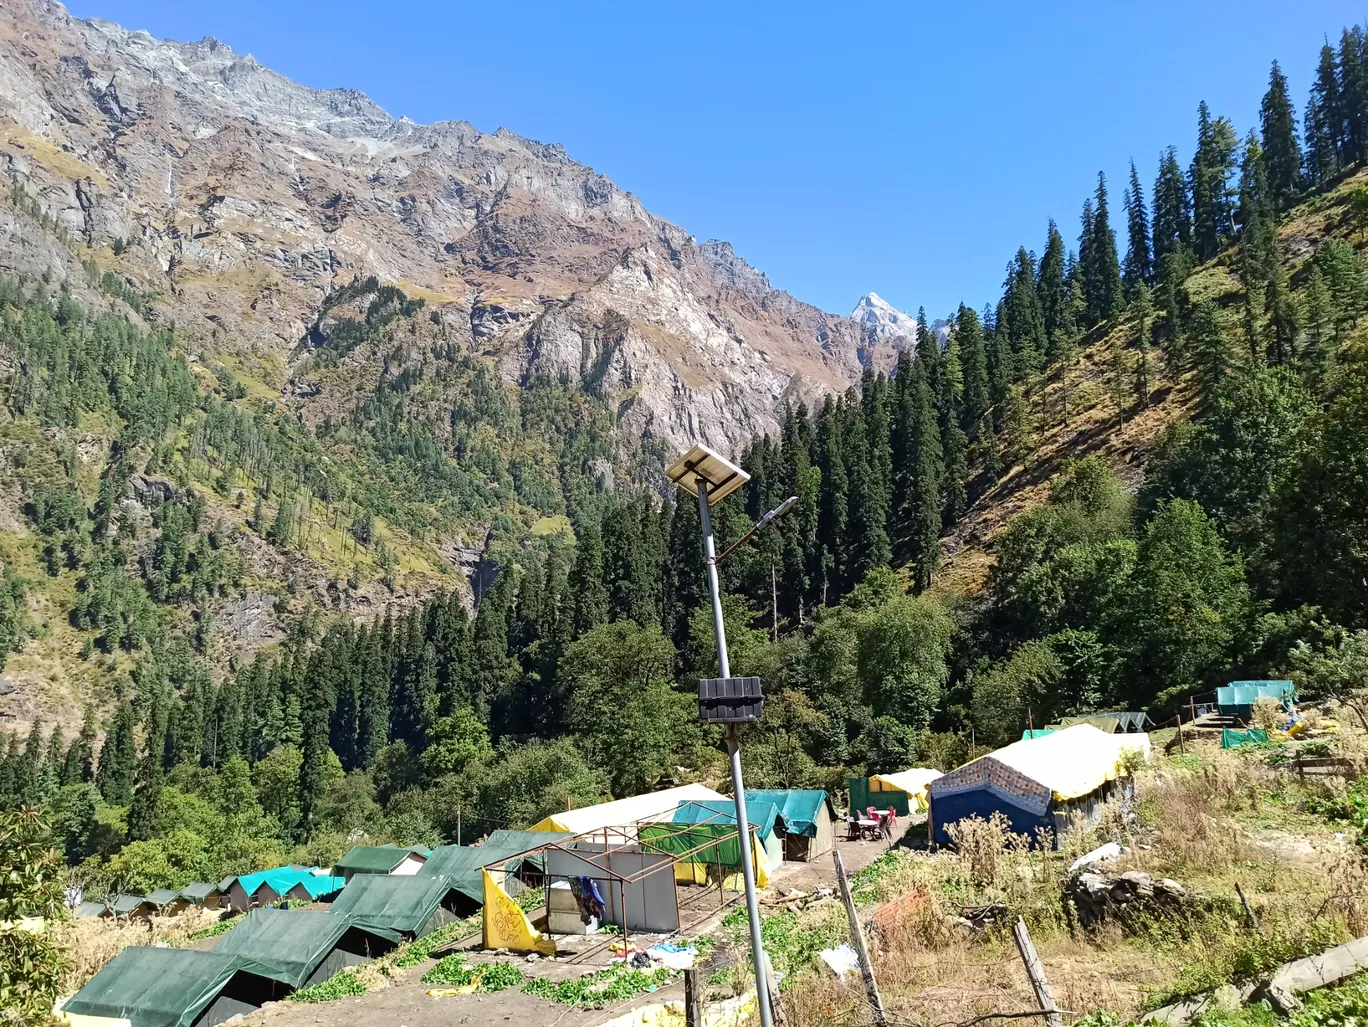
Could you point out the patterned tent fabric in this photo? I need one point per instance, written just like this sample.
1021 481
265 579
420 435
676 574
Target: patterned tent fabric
1065 764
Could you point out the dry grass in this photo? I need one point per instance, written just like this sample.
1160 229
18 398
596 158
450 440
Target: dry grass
92 942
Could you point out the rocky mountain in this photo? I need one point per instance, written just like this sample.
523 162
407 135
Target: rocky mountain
234 202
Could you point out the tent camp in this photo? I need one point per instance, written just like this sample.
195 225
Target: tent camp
623 813
409 905
133 907
912 783
762 815
300 947
462 863
380 859
88 909
166 987
1237 698
1035 783
168 901
270 886
805 820
201 894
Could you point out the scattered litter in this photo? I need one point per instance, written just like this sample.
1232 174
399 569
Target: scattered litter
672 957
1109 851
842 959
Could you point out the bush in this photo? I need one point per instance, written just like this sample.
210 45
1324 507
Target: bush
981 845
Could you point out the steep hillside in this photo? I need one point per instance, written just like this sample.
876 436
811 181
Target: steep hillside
237 201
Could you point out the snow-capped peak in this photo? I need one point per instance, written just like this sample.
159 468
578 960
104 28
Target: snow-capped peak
883 320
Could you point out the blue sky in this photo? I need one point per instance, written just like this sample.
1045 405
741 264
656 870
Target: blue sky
906 148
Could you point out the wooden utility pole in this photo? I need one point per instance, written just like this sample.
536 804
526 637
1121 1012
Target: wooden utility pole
693 999
857 936
1036 972
1249 913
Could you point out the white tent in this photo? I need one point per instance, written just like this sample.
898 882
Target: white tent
624 813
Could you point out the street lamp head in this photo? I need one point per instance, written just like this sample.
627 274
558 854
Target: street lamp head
721 475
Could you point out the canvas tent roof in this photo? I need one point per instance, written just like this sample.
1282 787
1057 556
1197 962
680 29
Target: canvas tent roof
463 863
623 812
288 944
799 808
761 815
390 903
319 885
86 909
913 782
282 879
199 891
163 897
126 904
157 987
1108 722
375 859
1069 763
1243 693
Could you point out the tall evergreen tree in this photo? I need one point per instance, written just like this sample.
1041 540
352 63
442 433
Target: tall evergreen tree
79 766
1211 353
969 330
1102 272
590 594
1258 240
1320 328
1282 154
373 699
1324 122
1353 95
833 510
114 777
1172 209
147 792
926 509
868 517
1137 269
1212 214
1056 309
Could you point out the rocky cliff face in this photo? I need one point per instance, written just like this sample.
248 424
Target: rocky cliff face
237 200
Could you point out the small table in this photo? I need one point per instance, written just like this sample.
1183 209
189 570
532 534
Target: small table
868 828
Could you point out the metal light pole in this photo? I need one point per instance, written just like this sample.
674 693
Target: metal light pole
733 731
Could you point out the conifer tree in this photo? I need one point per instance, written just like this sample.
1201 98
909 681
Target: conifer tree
1102 273
147 792
1320 328
901 437
969 331
955 456
1323 124
1212 216
79 765
1143 310
1085 271
874 402
586 583
832 514
114 777
1282 155
1172 224
1052 290
1211 353
1137 268
1353 94
1258 241
1283 319
869 542
999 355
925 514
373 699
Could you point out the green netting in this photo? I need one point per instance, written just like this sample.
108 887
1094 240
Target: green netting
862 797
158 987
290 943
403 904
463 863
799 808
678 839
1254 736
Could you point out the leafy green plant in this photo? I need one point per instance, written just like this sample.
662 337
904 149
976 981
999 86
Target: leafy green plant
420 951
342 984
600 989
454 972
216 928
31 962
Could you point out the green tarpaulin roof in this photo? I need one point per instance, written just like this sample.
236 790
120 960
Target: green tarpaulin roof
126 904
199 891
761 815
1254 736
402 904
799 808
462 863
163 896
1243 693
86 909
677 839
290 943
158 987
1039 732
373 859
1102 721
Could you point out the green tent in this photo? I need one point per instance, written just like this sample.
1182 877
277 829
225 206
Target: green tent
132 905
463 863
716 843
412 906
87 909
1231 738
202 894
300 946
373 859
165 987
763 817
863 796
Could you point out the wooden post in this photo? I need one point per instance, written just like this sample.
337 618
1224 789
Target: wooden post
1249 913
693 999
857 936
1181 747
1036 972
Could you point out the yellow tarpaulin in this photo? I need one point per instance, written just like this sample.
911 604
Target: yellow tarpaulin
913 782
505 924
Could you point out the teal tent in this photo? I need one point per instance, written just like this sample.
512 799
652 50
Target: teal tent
806 816
1237 698
763 818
